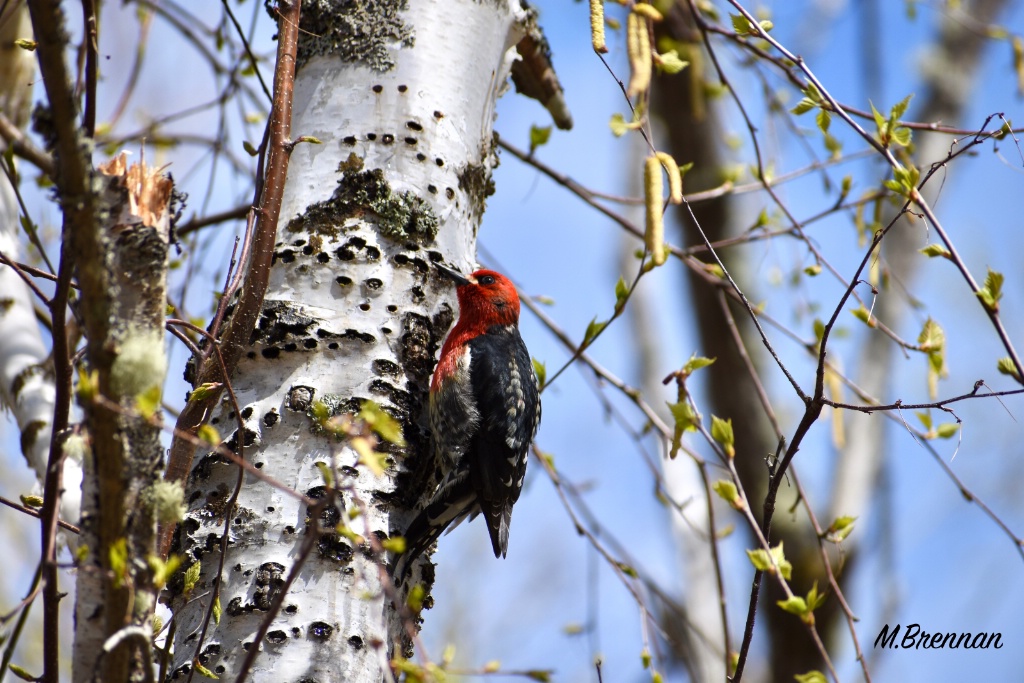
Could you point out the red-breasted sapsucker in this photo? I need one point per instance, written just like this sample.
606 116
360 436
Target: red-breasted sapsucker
484 412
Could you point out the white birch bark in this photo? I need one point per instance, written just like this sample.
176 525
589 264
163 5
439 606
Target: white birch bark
402 100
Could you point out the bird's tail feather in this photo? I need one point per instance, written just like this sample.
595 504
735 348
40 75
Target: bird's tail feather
499 518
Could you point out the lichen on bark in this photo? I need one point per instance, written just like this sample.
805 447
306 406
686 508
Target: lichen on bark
356 31
402 216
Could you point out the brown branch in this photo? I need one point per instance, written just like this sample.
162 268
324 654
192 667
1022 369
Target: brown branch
237 213
72 177
832 581
20 269
268 208
24 148
38 515
92 29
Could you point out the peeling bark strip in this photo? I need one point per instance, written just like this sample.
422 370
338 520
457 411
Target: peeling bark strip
402 96
119 504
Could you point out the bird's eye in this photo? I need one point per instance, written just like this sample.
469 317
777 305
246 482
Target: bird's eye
486 280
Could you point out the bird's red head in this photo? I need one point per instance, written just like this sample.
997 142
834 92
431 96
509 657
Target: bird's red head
486 298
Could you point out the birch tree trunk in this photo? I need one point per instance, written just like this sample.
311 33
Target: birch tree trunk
401 95
121 492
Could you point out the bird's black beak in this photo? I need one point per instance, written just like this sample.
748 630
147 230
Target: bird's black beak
453 275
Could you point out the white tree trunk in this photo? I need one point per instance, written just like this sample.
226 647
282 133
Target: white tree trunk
403 104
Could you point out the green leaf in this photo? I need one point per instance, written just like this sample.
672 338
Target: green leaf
728 492
847 185
191 577
621 294
325 472
382 424
925 418
348 533
696 363
947 430
824 118
763 219
645 658
835 148
932 338
819 329
814 599
395 544
539 137
863 315
811 677
620 126
741 25
670 63
205 391
1006 367
785 568
794 605
763 562
88 385
148 402
721 431
542 675
933 250
813 270
163 571
880 122
992 292
901 136
541 371
593 329
320 412
803 106
118 555
26 44
415 600
249 149
904 180
626 569
899 109
31 501
81 553
685 421
760 559
209 434
22 673
840 528
573 629
375 460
